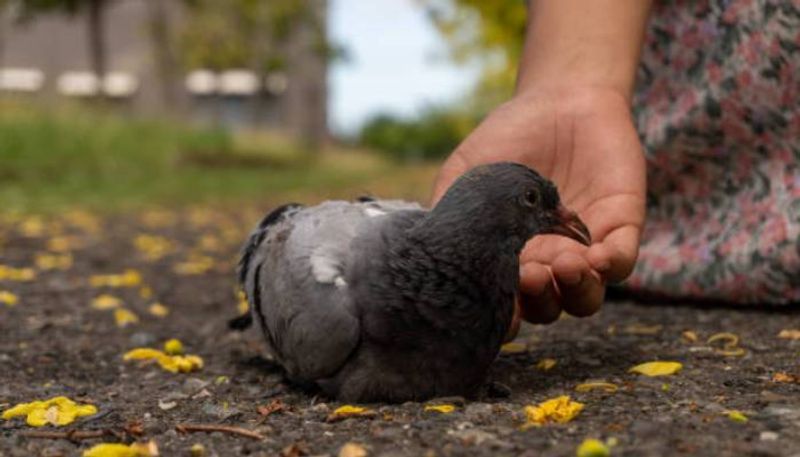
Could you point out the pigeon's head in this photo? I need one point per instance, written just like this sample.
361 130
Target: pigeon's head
511 200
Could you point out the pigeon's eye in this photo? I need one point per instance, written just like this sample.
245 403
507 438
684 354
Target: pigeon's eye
531 198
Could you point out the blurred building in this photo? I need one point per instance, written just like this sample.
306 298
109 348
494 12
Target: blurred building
48 58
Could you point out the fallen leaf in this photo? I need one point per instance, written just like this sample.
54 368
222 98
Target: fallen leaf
56 411
148 449
441 408
784 377
145 292
557 410
736 416
348 411
789 334
195 265
352 450
730 340
275 406
8 298
106 301
63 243
657 368
599 385
593 448
545 364
124 317
513 348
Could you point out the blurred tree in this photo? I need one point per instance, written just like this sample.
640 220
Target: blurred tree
431 134
254 34
94 10
487 32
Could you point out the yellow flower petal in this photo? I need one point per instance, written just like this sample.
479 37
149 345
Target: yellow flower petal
56 411
122 450
350 409
737 416
657 368
789 334
158 310
171 363
124 317
53 261
129 278
589 386
546 364
8 298
513 348
593 448
173 347
106 301
142 354
16 274
556 410
443 408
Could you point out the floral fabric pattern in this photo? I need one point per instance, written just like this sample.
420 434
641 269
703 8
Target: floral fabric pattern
718 110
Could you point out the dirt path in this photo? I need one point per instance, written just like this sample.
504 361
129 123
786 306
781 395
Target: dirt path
53 342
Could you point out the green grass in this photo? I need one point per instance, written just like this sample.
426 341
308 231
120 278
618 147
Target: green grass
75 157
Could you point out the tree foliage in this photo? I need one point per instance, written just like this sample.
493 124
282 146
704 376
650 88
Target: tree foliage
251 34
489 33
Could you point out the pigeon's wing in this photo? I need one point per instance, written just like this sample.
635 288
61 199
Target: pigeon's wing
295 282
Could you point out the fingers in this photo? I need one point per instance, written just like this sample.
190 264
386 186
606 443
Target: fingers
581 290
620 248
542 308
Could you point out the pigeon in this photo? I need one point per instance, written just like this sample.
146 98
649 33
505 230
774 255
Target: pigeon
383 300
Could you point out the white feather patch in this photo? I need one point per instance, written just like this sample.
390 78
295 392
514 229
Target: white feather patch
373 212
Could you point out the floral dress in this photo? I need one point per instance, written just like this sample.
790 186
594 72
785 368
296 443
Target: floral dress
718 110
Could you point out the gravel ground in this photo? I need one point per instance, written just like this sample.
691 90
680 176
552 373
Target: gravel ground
53 342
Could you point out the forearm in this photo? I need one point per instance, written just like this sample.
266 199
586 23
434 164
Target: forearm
583 42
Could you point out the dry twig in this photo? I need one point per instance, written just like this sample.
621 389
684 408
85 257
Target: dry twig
185 428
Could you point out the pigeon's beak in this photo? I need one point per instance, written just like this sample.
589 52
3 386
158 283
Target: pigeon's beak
568 224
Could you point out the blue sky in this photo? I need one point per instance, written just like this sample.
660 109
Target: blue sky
398 63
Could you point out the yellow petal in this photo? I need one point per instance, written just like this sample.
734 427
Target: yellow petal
545 364
143 354
349 409
443 408
657 368
352 450
158 310
56 411
173 347
556 410
789 334
737 416
8 298
106 301
593 448
122 450
124 317
145 292
605 386
513 348
110 450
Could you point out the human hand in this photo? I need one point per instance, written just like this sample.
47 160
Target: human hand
583 139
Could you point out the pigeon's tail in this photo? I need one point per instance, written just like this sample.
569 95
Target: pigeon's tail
249 249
